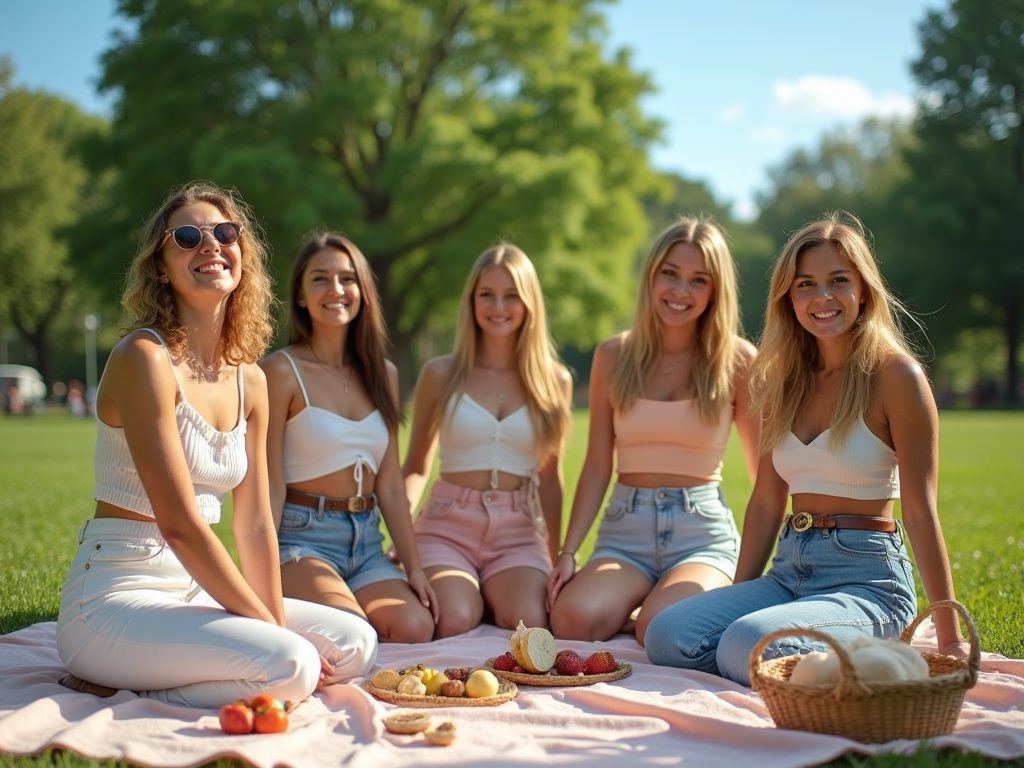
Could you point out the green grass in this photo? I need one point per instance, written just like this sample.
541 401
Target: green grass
46 481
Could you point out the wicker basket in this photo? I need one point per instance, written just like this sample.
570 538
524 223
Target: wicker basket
868 712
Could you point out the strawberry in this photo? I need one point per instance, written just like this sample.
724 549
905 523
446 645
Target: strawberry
518 670
600 663
569 663
505 663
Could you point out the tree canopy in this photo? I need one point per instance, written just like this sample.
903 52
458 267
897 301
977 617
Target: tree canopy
426 131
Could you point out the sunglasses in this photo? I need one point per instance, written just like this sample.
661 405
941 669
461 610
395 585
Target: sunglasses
189 237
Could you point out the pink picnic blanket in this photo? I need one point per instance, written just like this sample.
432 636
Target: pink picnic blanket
657 716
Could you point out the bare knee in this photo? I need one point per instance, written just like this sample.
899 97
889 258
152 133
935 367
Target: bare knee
530 615
412 626
574 621
456 620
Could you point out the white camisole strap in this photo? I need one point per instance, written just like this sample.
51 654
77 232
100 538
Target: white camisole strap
297 376
170 361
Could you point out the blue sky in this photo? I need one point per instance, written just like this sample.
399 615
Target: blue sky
741 83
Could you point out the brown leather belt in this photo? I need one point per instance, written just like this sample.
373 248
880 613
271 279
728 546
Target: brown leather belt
804 521
351 504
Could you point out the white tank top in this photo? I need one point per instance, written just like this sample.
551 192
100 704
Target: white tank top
216 461
318 442
863 468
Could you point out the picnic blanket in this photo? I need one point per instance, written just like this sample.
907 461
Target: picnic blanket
657 716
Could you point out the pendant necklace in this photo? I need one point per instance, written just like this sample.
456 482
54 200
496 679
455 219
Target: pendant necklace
351 369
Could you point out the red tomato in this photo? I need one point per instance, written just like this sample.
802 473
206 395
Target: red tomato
272 721
264 702
236 718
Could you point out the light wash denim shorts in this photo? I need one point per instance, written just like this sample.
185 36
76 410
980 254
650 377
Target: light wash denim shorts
658 529
349 542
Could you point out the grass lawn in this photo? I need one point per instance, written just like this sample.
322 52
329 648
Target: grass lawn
46 480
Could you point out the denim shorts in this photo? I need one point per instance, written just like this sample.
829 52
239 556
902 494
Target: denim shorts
658 529
349 542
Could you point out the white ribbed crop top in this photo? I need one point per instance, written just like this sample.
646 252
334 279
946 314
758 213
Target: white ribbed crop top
216 461
318 442
472 438
863 468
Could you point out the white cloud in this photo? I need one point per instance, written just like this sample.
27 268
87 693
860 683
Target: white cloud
733 113
839 97
767 134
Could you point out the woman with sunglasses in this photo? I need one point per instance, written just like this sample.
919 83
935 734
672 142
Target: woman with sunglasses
153 601
499 407
333 449
849 426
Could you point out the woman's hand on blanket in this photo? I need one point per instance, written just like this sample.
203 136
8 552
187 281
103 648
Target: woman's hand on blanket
326 671
421 586
564 570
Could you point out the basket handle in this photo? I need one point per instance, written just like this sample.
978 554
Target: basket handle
849 681
974 659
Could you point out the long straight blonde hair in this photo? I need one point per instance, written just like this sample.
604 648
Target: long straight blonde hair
715 356
536 358
782 377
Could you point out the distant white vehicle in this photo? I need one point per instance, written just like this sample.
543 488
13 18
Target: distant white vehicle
28 381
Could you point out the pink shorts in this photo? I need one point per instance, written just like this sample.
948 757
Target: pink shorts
479 532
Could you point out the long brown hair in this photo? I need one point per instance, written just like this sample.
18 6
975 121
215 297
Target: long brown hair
782 377
366 342
149 303
716 355
536 358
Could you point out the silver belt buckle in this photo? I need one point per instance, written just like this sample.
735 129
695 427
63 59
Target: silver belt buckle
802 521
357 504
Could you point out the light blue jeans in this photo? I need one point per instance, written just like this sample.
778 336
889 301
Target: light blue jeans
843 582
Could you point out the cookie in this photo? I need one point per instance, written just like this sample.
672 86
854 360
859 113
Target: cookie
407 722
386 680
442 735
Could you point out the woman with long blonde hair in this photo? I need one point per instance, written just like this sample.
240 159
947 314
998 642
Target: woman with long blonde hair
849 426
663 399
499 405
333 448
153 601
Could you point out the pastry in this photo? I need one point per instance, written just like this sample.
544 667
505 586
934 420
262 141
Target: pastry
407 722
386 680
442 735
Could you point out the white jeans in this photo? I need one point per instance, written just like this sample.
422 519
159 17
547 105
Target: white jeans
131 617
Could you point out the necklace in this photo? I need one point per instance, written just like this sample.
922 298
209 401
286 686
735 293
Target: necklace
667 369
351 369
201 371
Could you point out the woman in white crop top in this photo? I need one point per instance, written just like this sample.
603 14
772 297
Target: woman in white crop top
500 405
153 602
849 426
663 399
333 449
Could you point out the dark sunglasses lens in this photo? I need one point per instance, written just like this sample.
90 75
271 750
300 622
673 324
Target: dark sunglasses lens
188 237
226 232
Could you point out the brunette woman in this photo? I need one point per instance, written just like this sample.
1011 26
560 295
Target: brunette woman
333 449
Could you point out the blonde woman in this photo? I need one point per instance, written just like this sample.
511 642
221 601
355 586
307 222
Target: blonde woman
499 405
849 426
153 602
663 399
333 448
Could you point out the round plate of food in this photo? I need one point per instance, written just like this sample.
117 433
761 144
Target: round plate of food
507 690
553 679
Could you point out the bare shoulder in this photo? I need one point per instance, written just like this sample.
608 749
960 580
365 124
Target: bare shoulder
608 351
254 377
392 371
276 365
139 353
435 370
901 375
745 351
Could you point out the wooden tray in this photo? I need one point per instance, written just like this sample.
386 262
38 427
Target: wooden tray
507 690
551 681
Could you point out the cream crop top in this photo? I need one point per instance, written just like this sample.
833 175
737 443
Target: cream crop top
670 437
863 468
319 442
216 461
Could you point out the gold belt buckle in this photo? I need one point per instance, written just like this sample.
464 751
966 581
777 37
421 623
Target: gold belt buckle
802 521
356 503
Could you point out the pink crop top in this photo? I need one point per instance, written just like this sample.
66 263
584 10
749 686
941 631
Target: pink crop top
670 437
318 442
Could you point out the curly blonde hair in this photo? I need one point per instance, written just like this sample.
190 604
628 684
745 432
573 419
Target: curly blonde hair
717 353
150 303
782 377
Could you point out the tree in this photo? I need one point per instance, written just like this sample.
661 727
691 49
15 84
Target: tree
965 201
426 131
41 181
